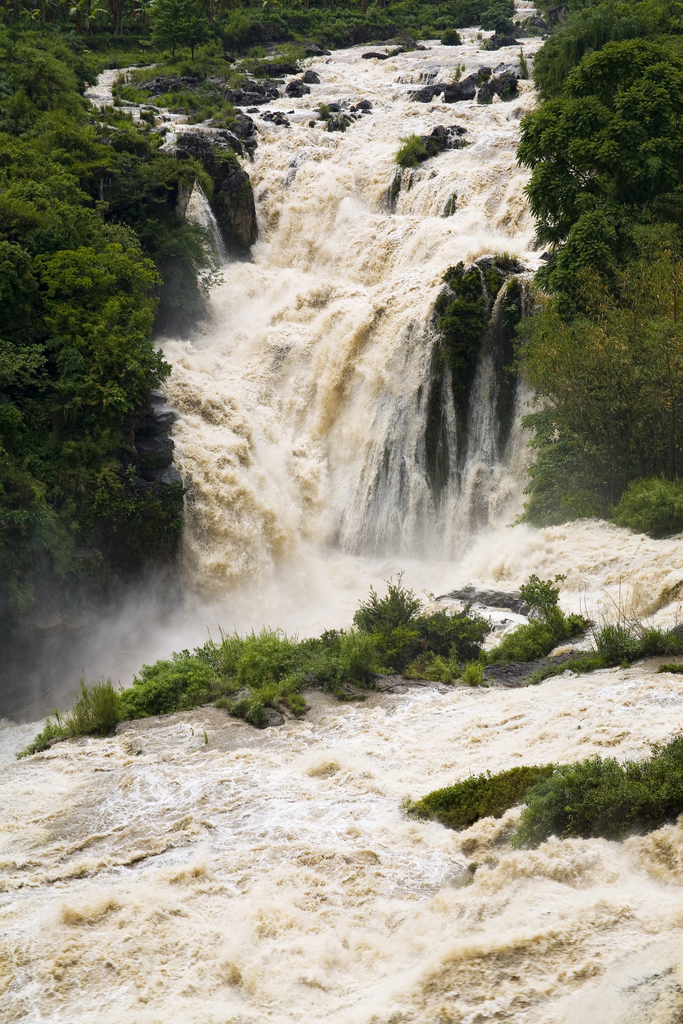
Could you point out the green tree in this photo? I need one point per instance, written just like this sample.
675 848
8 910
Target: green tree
498 17
176 22
611 378
603 152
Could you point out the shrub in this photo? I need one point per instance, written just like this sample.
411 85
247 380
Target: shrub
451 37
168 686
433 667
537 638
413 151
96 711
456 636
498 17
620 643
473 674
480 796
383 614
604 798
653 506
671 667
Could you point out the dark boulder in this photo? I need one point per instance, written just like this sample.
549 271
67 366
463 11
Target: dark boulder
314 50
161 84
378 56
490 599
233 207
537 22
243 126
497 42
271 717
253 94
504 86
364 105
334 108
297 88
310 78
558 14
276 69
154 452
450 137
453 92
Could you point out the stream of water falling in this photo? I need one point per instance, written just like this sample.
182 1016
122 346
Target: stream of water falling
191 870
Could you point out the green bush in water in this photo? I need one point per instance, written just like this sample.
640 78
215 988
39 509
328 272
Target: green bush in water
652 506
473 674
621 643
96 712
169 686
537 638
480 796
451 37
414 151
604 798
383 614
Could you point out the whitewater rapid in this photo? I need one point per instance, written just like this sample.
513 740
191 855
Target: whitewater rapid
192 870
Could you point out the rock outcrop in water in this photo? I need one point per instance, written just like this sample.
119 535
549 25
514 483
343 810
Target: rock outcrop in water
232 202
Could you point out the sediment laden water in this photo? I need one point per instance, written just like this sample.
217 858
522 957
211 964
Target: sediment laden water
303 400
194 870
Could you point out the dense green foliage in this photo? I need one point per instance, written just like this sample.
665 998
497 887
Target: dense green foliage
653 506
91 250
426 646
610 375
480 796
248 25
604 798
247 674
549 628
594 798
604 350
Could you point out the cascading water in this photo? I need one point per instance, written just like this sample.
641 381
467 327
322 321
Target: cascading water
191 870
304 400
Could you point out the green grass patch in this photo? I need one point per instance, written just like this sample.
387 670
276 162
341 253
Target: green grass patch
586 663
415 151
603 798
670 666
96 712
480 796
621 643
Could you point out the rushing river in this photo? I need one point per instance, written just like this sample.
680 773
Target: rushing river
191 870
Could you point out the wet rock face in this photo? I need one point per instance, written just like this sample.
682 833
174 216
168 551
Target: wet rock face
233 207
253 94
232 202
311 78
154 447
474 85
297 88
275 69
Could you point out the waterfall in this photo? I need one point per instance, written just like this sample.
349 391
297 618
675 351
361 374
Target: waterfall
199 212
304 398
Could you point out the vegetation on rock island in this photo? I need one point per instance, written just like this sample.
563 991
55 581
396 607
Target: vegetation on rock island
598 797
249 674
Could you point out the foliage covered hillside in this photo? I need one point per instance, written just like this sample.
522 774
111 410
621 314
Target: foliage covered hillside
604 351
91 251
